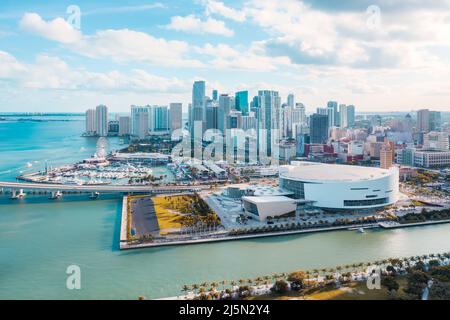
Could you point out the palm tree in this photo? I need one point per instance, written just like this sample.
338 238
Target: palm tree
223 283
186 288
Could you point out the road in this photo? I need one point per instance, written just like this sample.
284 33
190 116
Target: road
97 188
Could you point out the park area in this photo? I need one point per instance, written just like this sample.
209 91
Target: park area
178 211
165 215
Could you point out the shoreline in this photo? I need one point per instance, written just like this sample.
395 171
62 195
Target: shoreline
126 246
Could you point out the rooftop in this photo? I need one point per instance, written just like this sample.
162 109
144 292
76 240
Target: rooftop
311 171
269 199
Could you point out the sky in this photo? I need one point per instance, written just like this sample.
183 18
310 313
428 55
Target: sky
68 56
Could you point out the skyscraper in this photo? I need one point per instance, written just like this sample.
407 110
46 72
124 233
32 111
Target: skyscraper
343 114
331 113
160 118
90 122
225 106
423 120
101 120
286 121
318 128
234 120
198 104
212 116
241 102
434 120
215 95
176 116
290 100
322 111
350 116
269 118
124 125
298 118
386 155
334 105
140 121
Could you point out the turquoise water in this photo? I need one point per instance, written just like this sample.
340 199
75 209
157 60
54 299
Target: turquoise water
40 239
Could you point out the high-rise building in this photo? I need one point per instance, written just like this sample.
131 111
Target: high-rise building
436 141
249 121
286 121
423 120
124 125
322 111
160 118
198 110
334 105
225 107
331 113
318 124
301 140
298 118
234 120
176 116
241 102
215 95
343 115
113 127
386 155
291 100
90 122
269 118
211 116
140 121
434 120
101 120
350 116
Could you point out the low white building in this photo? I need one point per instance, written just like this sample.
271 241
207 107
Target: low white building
268 206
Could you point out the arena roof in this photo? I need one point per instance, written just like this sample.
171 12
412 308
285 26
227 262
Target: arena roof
311 171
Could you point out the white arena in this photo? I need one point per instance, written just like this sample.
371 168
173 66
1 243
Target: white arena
342 187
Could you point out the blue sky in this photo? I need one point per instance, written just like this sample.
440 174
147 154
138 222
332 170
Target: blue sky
378 55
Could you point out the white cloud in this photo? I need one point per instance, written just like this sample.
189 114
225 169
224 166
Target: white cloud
136 8
9 66
119 45
129 45
192 24
57 29
309 36
59 75
219 8
223 56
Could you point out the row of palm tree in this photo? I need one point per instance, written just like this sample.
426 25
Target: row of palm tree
299 226
312 276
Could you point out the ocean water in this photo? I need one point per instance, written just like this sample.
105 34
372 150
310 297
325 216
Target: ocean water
39 238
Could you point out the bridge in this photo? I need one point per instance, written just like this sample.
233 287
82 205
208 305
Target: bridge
17 189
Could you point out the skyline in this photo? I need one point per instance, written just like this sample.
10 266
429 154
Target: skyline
151 52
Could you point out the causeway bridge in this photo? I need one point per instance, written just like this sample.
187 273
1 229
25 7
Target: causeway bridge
19 189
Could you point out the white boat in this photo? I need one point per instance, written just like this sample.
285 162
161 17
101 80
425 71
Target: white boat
361 230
